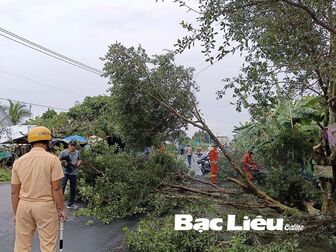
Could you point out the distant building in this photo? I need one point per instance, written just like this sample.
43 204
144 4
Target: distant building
224 140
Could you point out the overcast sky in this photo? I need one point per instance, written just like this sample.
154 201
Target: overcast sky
82 30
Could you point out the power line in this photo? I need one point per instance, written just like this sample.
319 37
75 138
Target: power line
47 50
25 42
46 53
40 83
203 69
202 63
34 104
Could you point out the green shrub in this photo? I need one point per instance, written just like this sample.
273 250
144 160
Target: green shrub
238 244
118 185
5 174
158 234
288 185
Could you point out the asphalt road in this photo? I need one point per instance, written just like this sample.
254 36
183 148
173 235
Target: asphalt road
78 236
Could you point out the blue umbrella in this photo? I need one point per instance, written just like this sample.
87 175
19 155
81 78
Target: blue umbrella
78 139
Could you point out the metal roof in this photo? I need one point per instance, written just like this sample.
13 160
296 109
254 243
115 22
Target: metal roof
14 132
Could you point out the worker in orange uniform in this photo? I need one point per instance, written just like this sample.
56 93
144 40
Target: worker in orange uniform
162 148
214 158
248 164
37 197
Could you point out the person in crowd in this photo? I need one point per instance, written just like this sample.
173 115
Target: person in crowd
214 158
162 148
182 149
248 164
189 152
71 162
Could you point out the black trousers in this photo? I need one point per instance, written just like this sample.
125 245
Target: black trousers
73 186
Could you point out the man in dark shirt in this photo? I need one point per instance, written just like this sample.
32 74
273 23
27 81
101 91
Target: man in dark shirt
70 159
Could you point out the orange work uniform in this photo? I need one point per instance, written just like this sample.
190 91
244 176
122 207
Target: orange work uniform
248 164
162 149
34 172
214 158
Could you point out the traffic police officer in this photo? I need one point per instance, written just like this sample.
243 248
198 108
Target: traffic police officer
37 197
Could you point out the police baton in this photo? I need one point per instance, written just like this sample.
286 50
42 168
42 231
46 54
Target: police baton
61 230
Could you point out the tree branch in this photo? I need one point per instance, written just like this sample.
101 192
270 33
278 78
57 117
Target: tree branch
185 188
219 189
190 8
238 182
225 203
311 14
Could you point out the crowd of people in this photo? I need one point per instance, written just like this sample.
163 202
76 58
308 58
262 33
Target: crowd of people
249 166
213 155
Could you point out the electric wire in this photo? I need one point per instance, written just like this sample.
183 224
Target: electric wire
51 55
25 42
47 50
196 75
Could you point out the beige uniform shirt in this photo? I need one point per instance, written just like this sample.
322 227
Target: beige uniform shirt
35 171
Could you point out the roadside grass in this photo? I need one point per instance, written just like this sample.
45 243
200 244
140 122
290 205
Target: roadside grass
5 174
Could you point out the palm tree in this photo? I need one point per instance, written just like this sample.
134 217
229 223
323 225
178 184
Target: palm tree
17 112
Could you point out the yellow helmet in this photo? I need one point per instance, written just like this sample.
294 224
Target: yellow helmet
39 133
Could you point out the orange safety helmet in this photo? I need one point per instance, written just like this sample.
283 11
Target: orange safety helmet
39 133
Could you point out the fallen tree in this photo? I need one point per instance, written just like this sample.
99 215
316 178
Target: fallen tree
246 183
128 71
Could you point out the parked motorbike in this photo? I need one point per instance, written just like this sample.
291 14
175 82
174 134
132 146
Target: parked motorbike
259 175
204 163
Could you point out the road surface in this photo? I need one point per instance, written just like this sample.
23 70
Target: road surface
77 235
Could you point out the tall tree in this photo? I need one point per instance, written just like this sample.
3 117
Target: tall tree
94 116
58 123
135 78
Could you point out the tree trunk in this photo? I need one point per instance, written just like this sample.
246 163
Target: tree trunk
254 189
200 123
329 199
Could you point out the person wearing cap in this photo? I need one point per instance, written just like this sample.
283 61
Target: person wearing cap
248 164
37 198
213 158
70 159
